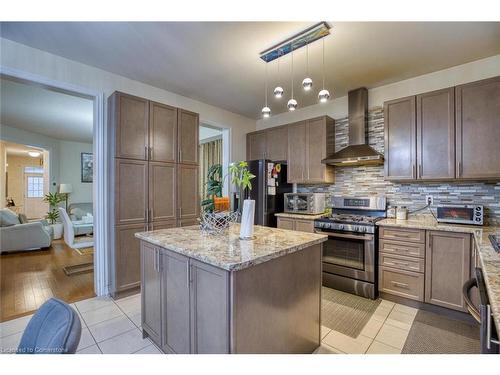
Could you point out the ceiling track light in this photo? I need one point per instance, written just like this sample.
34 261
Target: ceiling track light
292 103
307 83
266 111
323 95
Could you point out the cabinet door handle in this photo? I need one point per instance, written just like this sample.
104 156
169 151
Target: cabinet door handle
151 153
146 215
150 215
420 170
146 152
180 155
188 278
460 169
400 285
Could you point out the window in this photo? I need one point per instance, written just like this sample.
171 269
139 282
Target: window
35 187
33 170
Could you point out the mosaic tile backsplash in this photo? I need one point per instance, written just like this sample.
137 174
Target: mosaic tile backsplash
369 180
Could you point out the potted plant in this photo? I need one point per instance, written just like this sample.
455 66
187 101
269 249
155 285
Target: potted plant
53 199
241 177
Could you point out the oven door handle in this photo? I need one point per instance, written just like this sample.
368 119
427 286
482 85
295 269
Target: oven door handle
366 237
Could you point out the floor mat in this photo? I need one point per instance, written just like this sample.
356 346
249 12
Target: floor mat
346 313
78 269
437 334
85 250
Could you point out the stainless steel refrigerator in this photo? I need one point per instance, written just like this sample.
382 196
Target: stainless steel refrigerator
268 188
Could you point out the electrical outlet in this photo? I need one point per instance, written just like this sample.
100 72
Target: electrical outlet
429 200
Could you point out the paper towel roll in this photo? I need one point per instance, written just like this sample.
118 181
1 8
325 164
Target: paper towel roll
247 217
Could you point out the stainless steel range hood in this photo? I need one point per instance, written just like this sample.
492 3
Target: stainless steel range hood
358 152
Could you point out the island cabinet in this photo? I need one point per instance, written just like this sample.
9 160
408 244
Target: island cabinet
155 177
301 225
247 303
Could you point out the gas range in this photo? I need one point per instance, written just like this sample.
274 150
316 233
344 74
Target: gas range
350 253
348 223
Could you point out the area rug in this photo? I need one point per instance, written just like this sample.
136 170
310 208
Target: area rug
85 250
78 269
346 313
437 334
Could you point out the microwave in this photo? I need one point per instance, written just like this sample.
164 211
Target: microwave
305 203
460 214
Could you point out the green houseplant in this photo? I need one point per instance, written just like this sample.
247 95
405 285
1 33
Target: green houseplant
241 177
214 187
53 199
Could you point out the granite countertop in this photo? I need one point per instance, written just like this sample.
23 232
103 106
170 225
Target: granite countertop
300 216
490 259
227 251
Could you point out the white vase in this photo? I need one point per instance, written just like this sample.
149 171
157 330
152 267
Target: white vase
58 230
247 218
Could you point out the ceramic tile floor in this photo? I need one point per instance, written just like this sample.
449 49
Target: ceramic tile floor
110 326
385 333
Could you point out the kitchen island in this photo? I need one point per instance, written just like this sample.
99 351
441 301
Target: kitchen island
218 294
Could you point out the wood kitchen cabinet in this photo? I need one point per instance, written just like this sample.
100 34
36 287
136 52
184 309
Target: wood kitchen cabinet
162 191
155 176
184 302
131 191
162 132
126 257
256 145
277 143
308 143
436 135
300 225
188 137
130 115
447 268
209 308
400 139
176 336
297 149
187 192
151 291
478 129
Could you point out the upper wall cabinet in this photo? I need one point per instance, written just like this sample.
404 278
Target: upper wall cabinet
436 135
400 145
444 135
478 129
269 144
188 132
309 142
256 145
132 126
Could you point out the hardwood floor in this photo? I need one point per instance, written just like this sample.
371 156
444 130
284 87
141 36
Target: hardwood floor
29 278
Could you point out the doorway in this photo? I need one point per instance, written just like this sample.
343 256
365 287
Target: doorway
65 157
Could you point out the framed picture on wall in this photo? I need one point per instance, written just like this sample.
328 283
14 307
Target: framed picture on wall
87 167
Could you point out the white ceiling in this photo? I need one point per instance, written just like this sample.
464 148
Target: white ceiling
43 111
217 62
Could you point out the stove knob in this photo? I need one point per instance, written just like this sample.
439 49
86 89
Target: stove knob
341 226
363 229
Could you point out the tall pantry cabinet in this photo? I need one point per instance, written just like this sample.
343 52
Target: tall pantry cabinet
155 177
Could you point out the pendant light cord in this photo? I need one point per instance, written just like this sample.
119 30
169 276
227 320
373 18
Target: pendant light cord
307 59
292 71
323 40
266 84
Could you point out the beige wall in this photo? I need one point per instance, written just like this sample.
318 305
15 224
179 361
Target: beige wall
337 108
15 185
20 57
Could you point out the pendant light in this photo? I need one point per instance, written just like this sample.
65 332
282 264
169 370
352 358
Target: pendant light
307 83
292 103
266 111
323 95
278 91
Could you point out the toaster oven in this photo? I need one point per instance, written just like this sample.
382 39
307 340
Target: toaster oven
460 214
305 203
